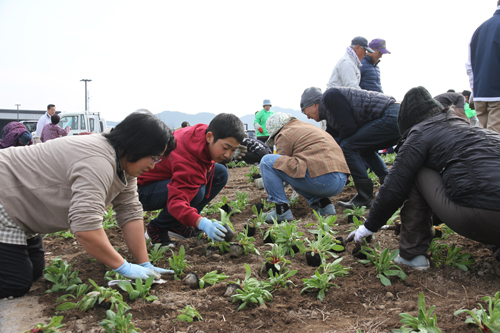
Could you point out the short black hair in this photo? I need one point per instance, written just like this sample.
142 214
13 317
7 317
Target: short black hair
139 135
467 92
185 124
226 125
49 106
453 90
55 119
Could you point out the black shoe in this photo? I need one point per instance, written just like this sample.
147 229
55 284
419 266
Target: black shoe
180 231
158 235
364 197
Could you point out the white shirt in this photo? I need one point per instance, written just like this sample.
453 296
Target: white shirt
44 120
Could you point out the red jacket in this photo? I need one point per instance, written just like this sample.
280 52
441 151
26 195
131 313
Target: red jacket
187 167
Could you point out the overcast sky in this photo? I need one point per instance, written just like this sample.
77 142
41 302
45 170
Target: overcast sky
220 56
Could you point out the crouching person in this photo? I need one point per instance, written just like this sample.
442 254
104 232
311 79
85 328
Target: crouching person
189 179
67 184
308 159
444 166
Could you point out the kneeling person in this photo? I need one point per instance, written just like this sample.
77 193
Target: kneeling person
189 179
308 159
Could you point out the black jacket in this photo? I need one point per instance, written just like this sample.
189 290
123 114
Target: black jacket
467 157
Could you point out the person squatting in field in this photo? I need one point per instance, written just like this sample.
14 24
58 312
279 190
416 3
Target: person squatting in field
444 166
67 184
308 159
15 134
189 179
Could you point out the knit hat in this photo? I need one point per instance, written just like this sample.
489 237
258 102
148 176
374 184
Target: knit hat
417 106
310 96
275 123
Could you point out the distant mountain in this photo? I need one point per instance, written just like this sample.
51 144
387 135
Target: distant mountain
173 119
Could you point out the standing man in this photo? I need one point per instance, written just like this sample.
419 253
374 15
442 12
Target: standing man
370 72
45 119
346 72
260 121
483 68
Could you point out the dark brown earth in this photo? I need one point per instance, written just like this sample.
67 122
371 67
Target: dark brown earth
360 303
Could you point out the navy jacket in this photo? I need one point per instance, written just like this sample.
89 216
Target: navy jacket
485 58
370 75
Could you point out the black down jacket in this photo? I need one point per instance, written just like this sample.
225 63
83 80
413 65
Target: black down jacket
467 157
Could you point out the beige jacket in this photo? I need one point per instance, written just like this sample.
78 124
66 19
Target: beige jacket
306 147
65 183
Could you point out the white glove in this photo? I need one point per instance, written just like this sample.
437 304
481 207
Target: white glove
358 235
257 126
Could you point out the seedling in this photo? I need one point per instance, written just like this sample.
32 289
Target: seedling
320 282
223 246
211 279
275 256
323 245
241 201
108 220
383 261
335 268
247 243
242 164
231 164
253 291
268 205
214 207
156 253
118 322
424 322
259 220
388 158
437 252
462 261
148 216
59 273
80 290
395 217
55 323
443 231
189 314
178 263
293 200
224 219
288 235
324 225
487 320
254 170
373 177
279 280
356 212
139 289
356 223
63 234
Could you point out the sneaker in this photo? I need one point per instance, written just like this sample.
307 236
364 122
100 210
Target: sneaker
158 235
180 231
286 216
328 210
420 263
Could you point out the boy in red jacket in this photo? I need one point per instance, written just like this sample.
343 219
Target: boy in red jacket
189 179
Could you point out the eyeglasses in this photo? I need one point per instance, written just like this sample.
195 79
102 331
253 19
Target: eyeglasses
155 159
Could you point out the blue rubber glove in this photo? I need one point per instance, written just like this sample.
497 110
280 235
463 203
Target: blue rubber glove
157 269
214 230
133 271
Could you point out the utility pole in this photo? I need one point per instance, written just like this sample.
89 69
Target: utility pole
18 105
87 128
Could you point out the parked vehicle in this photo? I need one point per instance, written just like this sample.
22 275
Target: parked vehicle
83 122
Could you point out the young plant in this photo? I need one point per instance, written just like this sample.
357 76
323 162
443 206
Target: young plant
148 216
294 199
63 234
242 164
388 158
247 243
424 322
383 261
118 322
108 220
139 289
223 246
462 261
443 231
178 263
80 290
288 235
275 256
267 205
189 314
224 218
279 280
395 217
437 252
241 201
373 177
323 245
214 207
259 220
487 320
324 225
356 212
335 268
254 170
252 292
112 275
59 273
231 164
356 223
211 279
320 282
55 323
156 253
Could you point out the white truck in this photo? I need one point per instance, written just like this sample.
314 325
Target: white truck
83 121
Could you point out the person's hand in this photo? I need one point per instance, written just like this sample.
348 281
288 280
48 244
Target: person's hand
240 152
214 230
133 271
358 235
157 269
261 130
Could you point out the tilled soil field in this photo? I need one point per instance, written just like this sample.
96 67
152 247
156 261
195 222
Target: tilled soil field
361 303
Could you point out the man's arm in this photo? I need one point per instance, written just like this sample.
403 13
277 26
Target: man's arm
348 75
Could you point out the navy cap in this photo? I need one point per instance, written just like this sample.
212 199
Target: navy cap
363 42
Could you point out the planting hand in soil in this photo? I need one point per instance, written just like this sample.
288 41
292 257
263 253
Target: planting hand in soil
214 230
359 235
133 271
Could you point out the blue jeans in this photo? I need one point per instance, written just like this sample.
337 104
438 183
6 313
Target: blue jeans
313 189
378 134
154 196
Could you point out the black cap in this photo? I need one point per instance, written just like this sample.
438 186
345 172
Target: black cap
363 42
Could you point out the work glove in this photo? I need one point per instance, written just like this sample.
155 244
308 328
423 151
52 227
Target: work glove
358 235
157 269
240 152
257 127
133 271
214 230
261 130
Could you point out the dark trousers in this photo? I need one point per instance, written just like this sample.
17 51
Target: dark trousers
263 139
20 266
252 158
154 196
427 196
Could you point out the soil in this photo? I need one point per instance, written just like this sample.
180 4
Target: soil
361 301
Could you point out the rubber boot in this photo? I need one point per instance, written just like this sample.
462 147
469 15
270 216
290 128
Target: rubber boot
364 197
